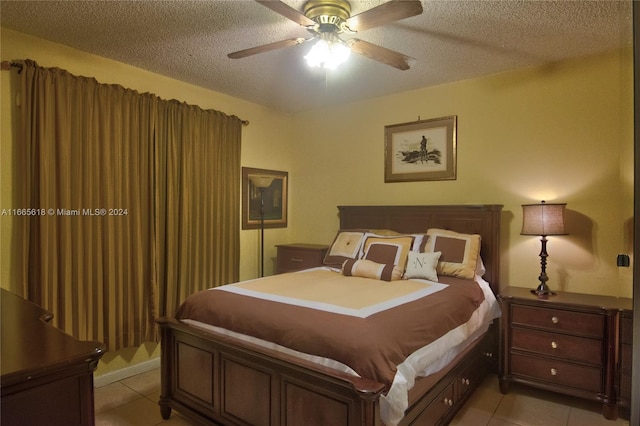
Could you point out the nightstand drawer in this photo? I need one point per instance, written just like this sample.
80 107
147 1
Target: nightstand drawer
559 345
578 323
295 257
557 372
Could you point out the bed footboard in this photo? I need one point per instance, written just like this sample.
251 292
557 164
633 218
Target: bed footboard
214 378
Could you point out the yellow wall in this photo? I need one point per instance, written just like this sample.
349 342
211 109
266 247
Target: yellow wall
562 133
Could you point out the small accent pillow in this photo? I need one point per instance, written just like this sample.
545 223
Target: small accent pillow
346 245
387 250
368 269
460 252
422 265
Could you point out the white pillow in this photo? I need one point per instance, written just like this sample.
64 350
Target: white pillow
422 265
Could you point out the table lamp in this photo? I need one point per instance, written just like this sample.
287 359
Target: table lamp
543 219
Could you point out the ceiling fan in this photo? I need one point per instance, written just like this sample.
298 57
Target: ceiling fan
326 20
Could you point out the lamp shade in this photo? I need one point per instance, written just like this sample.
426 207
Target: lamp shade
543 219
261 181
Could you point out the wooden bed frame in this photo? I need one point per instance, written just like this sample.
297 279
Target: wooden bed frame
214 378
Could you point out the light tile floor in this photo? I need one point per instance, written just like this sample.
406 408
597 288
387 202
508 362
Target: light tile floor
133 402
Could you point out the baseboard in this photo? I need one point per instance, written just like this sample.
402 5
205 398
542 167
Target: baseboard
123 373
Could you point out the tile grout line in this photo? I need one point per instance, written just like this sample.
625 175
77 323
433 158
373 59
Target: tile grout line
495 409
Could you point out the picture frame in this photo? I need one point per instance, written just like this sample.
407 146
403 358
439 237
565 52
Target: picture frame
275 198
421 150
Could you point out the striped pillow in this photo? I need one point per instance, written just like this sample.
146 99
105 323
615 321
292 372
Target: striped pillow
368 269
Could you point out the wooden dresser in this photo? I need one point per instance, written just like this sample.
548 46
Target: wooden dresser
567 343
295 257
47 375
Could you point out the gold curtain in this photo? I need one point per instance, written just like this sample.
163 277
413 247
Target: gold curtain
121 207
198 160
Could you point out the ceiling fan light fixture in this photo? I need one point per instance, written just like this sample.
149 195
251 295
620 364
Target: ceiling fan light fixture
328 52
327 19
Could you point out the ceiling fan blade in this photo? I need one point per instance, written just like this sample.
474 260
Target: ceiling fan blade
388 12
380 54
287 11
266 48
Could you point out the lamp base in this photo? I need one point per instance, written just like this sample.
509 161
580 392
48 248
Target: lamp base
543 291
545 294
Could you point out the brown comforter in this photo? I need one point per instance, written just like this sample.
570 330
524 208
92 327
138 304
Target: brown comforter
371 346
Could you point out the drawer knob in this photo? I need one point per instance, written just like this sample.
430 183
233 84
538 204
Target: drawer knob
448 401
465 381
296 259
554 345
554 372
555 320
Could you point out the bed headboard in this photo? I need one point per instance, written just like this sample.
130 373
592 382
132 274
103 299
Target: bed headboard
469 219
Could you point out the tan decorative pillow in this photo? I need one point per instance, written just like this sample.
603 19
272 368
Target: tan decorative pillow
385 232
418 243
368 269
460 252
422 265
346 245
387 250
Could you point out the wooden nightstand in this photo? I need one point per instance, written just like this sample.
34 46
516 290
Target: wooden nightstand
294 257
567 343
624 379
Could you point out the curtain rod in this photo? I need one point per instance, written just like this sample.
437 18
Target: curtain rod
7 65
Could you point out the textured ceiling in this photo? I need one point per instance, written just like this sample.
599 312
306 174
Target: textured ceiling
450 40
